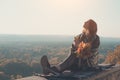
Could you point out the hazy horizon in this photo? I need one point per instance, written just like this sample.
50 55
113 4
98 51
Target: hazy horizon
35 37
51 35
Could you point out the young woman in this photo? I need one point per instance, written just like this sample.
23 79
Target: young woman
82 56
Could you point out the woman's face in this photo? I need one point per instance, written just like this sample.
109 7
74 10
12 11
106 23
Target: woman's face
86 32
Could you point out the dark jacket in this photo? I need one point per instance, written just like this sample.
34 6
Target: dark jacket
95 42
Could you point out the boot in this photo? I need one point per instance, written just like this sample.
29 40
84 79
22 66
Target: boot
45 65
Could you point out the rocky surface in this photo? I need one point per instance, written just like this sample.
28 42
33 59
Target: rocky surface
112 73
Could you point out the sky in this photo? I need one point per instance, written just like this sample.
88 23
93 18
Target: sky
59 17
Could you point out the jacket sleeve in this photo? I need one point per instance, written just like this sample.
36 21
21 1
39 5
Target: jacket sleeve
94 58
95 44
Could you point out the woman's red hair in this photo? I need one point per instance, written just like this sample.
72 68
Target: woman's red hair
91 26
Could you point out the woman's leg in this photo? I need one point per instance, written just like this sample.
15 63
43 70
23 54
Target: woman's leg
69 63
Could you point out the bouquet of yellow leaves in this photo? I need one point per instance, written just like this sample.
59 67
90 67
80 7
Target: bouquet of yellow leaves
83 50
